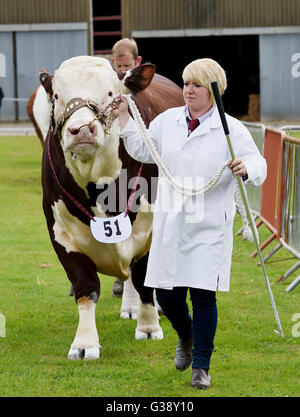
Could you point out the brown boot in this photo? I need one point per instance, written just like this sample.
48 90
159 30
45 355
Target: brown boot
183 354
200 378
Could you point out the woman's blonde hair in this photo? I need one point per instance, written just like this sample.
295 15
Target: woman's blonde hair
204 71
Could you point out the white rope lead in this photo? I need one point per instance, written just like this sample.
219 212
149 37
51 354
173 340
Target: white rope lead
160 163
247 233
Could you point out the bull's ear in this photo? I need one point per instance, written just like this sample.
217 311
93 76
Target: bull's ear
46 81
139 78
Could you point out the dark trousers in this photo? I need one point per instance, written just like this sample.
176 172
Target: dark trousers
203 325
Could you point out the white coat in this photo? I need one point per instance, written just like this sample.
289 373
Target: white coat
196 254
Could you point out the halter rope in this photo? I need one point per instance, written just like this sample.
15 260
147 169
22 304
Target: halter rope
247 233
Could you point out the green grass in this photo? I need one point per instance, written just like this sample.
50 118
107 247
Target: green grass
294 133
41 319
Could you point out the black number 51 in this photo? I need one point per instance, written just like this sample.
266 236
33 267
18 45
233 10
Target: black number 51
108 228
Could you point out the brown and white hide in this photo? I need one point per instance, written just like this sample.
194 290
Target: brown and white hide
82 159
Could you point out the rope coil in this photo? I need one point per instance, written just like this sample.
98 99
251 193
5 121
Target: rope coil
160 163
247 233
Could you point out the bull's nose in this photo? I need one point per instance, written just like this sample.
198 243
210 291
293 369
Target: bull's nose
83 131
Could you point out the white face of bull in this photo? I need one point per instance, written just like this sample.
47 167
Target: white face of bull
91 153
88 78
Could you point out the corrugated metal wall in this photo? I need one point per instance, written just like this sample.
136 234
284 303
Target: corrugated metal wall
279 77
28 48
7 82
33 51
256 13
188 14
44 11
167 14
44 54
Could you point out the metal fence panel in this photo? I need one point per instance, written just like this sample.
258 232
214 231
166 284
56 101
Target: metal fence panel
279 76
254 193
45 49
290 227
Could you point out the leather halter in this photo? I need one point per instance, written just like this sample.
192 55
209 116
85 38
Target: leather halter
77 103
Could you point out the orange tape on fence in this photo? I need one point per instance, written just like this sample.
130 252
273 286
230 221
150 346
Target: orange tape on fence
272 188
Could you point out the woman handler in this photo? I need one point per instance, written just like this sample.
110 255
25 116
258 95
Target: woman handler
194 255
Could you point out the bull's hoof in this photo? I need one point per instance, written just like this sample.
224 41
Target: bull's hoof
157 335
88 354
76 354
92 353
128 315
139 335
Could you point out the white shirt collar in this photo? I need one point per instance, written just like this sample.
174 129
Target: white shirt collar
203 117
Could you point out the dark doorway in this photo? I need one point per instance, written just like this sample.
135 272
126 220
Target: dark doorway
106 25
238 55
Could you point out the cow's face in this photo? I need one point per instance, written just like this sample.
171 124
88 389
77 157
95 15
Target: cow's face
94 80
86 78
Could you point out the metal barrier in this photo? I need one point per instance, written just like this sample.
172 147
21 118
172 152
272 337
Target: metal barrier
280 195
257 131
290 128
290 223
271 190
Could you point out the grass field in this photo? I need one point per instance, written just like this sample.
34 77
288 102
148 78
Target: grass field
41 319
294 133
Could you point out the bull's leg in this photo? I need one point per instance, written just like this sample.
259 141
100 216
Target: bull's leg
130 299
147 319
82 273
86 343
117 288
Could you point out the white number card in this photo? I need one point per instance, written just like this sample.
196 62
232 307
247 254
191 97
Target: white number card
111 229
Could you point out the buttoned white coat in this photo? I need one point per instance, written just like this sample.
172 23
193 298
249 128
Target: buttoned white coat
194 250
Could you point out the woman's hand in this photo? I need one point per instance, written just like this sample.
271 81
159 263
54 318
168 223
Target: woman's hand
238 168
120 110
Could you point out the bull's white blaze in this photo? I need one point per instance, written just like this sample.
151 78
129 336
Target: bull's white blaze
103 163
91 162
86 337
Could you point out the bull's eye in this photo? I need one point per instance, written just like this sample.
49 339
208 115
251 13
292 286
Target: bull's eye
56 96
110 93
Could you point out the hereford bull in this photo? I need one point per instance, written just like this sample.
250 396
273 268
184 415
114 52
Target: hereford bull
83 159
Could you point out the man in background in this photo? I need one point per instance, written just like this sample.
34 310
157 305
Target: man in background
125 56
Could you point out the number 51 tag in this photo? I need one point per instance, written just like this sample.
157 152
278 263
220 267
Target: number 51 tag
111 229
